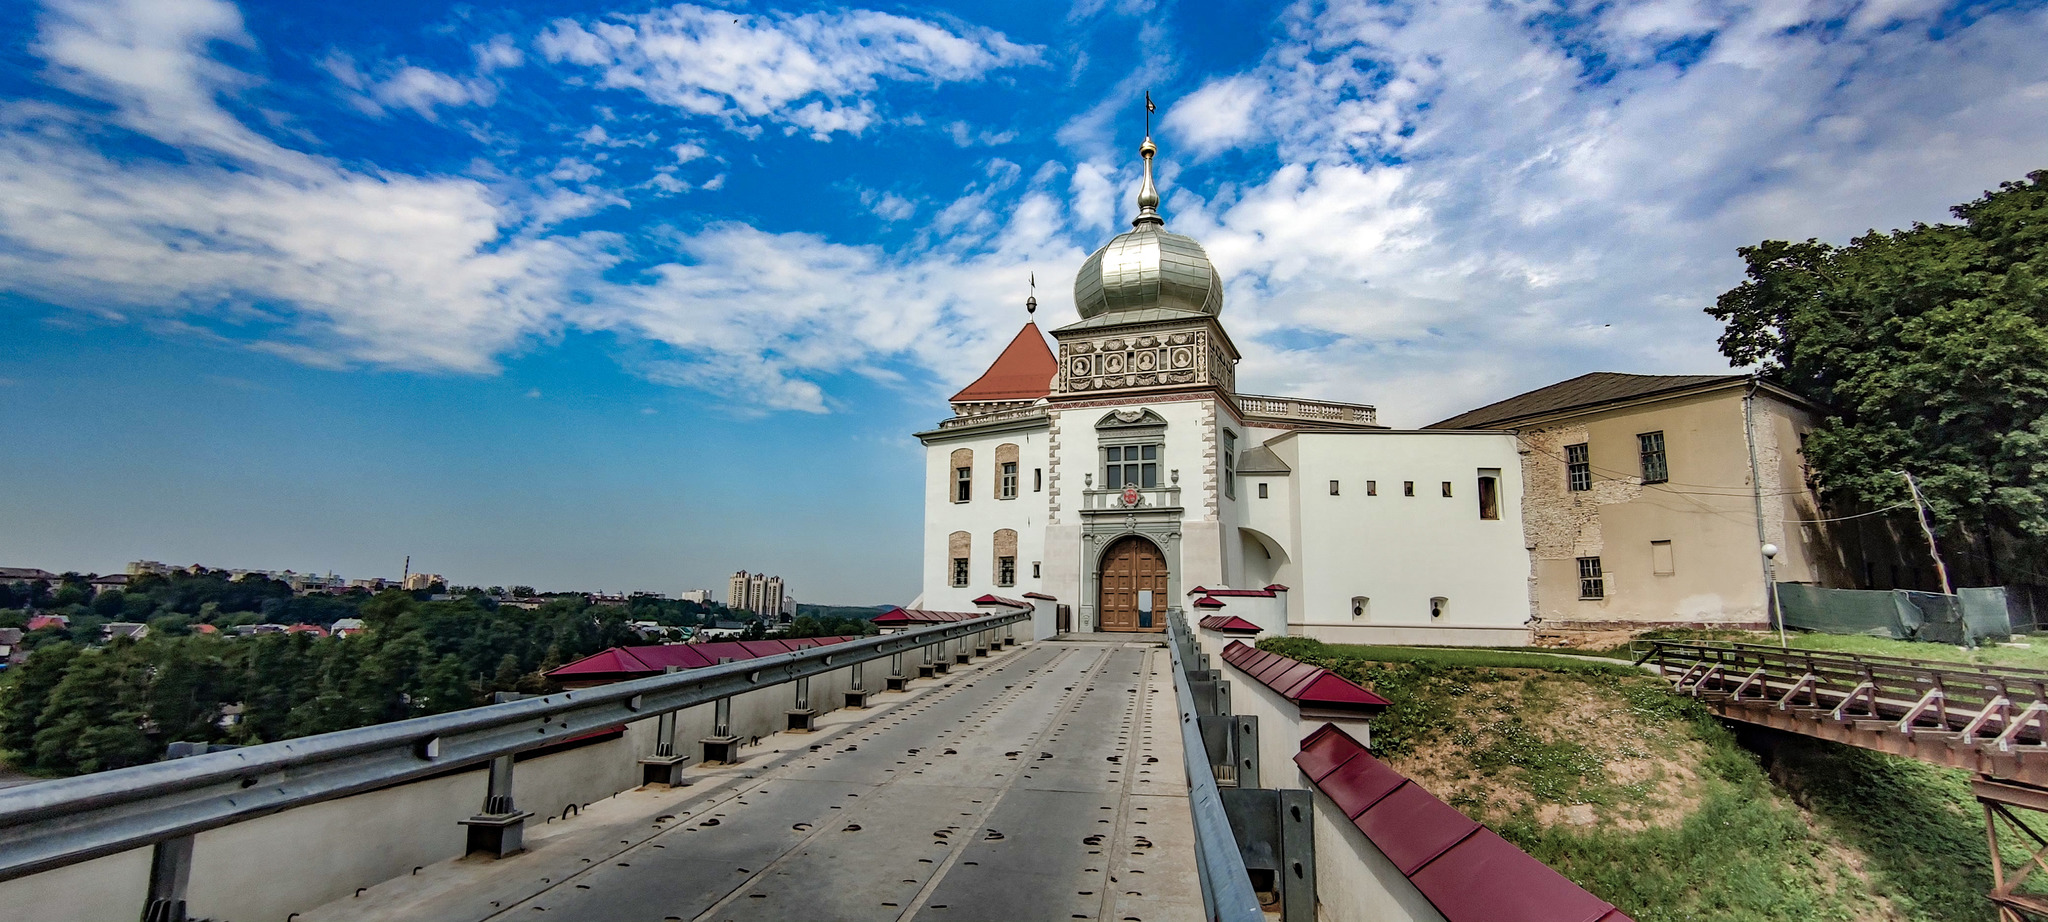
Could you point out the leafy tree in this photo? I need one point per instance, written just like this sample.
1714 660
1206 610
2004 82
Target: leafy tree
28 693
93 719
1929 346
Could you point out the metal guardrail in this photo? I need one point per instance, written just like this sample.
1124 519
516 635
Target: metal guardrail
1227 894
52 824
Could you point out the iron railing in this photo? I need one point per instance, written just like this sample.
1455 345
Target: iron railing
1227 894
1999 706
52 824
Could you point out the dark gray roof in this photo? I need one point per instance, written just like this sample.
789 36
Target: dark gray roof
1261 460
1582 392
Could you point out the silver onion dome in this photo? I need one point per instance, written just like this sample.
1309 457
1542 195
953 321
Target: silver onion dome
1148 268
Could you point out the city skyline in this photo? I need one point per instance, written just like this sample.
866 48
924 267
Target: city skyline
536 295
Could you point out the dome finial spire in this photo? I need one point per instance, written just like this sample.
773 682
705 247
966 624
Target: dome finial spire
1148 194
1031 302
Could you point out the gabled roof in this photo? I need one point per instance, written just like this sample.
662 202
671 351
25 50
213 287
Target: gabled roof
1261 460
1230 624
1311 688
1207 602
1467 871
1023 372
1581 393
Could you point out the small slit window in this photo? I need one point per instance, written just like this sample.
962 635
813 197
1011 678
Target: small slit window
1407 488
1489 493
1372 488
1447 489
1262 491
1333 488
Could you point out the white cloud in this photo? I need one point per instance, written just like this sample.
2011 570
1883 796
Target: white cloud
1467 202
404 86
812 72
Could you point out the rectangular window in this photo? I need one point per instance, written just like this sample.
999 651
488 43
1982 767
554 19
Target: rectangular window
959 571
1009 480
1447 489
1651 444
1660 558
963 484
1034 569
1006 571
1037 479
1229 464
1262 491
1372 488
1130 466
1592 585
1489 493
1578 468
1333 488
1407 488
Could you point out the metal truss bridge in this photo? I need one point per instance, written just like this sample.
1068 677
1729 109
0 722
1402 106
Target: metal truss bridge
1988 720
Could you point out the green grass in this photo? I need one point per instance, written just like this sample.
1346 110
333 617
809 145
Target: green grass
1782 843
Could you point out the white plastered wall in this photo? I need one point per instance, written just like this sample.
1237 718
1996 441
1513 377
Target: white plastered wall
982 516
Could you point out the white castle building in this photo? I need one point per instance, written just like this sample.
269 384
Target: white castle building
1124 472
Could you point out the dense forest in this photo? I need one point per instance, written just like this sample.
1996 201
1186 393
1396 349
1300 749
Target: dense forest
77 704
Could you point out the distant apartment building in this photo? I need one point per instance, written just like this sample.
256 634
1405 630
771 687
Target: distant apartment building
415 582
699 596
755 592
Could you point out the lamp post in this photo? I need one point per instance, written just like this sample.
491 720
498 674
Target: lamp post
1770 552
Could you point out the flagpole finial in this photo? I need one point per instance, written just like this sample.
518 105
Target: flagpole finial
1148 194
1031 303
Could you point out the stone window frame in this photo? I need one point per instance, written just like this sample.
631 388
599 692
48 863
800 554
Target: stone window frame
1006 470
1124 429
959 548
1005 547
962 484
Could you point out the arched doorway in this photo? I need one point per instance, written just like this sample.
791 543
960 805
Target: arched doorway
1134 586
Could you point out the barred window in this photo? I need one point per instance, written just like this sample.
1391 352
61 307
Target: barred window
1654 468
1006 571
959 571
1592 585
1578 468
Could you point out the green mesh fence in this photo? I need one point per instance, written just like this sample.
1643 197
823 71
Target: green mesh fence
1970 616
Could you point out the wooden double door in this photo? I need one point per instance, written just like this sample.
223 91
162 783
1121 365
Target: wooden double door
1134 581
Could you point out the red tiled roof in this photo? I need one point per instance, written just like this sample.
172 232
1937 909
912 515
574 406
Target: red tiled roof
39 622
1208 602
1309 687
632 662
1023 372
993 599
1276 587
1230 624
1465 870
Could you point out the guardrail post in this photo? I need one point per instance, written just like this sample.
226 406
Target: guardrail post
963 657
897 681
170 871
721 747
666 765
856 692
802 716
500 829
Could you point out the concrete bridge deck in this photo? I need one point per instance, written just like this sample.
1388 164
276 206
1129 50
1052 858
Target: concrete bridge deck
1044 783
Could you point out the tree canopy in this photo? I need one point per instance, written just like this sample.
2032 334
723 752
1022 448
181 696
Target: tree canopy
1929 348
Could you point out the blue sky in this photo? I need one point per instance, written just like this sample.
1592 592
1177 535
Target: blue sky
628 296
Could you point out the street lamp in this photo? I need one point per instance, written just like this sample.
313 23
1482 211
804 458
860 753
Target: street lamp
1770 552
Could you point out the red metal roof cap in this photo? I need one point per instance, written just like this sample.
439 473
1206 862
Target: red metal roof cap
1276 587
1040 595
1465 870
1023 372
1207 602
1247 593
993 599
1333 689
1230 624
1487 877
